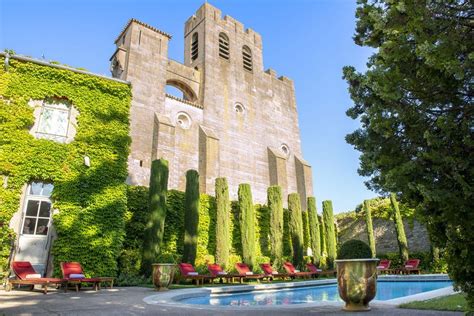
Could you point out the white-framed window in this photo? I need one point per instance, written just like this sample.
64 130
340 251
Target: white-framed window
54 120
37 209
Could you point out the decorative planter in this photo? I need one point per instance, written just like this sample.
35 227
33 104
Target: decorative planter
163 274
357 282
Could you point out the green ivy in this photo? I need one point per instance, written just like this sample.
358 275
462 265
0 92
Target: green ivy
91 201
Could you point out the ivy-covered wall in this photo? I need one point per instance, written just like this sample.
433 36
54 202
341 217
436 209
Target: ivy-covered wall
91 200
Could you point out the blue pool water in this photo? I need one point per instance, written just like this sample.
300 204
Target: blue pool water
386 290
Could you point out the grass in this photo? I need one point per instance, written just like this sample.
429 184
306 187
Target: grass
456 302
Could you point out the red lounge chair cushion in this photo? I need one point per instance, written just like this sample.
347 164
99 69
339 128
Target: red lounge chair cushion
384 264
71 268
412 264
312 268
242 268
267 268
215 269
22 269
290 268
185 268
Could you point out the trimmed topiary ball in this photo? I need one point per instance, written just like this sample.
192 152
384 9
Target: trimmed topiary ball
354 249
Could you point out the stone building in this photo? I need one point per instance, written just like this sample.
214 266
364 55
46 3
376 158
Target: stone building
234 120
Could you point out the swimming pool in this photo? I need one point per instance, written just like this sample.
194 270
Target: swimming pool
386 290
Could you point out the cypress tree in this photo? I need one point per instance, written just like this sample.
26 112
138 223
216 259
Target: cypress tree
191 216
296 228
400 230
275 205
370 228
330 232
306 233
315 243
155 223
222 222
247 224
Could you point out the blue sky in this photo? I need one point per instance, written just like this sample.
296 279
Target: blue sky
308 41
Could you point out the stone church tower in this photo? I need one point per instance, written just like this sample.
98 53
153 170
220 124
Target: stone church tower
235 120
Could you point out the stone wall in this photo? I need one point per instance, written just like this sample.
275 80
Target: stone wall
244 124
385 235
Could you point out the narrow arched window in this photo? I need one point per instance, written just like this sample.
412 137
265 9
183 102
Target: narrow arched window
194 47
223 46
247 58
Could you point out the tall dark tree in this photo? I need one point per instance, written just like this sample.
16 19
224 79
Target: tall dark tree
330 232
223 222
247 224
415 104
296 228
399 228
155 224
314 229
370 227
191 216
275 204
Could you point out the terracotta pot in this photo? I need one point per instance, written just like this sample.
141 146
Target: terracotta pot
357 282
163 274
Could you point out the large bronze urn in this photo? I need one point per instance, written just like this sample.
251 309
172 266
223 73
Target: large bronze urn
357 282
163 274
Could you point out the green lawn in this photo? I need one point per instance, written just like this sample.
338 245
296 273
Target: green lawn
456 302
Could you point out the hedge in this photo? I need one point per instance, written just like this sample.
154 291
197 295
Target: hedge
91 201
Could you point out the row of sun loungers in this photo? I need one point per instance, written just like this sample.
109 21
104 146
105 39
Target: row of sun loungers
72 275
244 273
410 266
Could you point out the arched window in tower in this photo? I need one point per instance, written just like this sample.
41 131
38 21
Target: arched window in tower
194 47
223 46
247 58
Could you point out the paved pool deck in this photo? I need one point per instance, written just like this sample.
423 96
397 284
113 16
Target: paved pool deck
129 301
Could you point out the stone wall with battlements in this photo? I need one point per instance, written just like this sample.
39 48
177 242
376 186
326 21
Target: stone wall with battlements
243 125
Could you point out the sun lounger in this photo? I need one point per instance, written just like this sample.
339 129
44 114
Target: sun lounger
189 273
317 272
217 272
410 266
292 272
26 275
74 274
384 266
244 273
271 273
